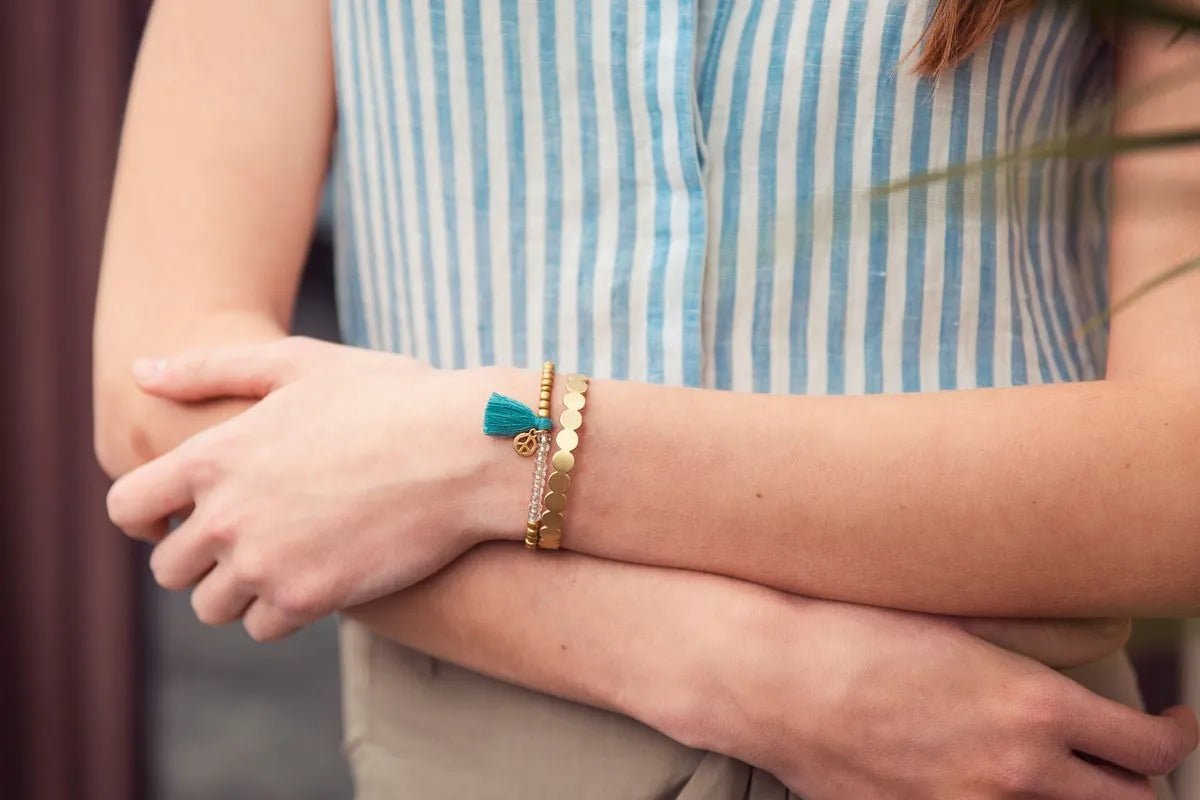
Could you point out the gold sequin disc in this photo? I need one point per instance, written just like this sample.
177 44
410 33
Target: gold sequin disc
567 439
559 482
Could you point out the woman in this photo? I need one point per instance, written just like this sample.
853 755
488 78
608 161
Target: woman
673 198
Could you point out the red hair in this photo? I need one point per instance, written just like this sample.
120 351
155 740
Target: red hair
958 27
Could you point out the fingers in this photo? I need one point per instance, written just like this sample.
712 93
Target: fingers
1139 742
1055 643
1083 781
220 597
184 556
250 370
140 501
1186 717
265 622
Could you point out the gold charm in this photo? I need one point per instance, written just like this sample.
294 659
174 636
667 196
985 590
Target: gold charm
525 444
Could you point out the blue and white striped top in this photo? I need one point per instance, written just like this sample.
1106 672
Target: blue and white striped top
679 191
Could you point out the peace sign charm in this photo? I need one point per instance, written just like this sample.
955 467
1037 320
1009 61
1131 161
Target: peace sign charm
526 443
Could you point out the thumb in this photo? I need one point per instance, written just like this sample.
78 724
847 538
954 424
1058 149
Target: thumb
250 370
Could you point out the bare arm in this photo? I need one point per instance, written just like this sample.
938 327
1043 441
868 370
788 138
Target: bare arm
222 160
223 155
1064 500
217 186
1059 500
792 685
663 639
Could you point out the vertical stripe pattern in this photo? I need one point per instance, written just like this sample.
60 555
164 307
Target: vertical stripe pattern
680 192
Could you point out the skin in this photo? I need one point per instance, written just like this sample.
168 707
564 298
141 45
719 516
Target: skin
1102 500
205 186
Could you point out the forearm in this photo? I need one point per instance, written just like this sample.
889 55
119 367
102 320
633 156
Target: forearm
223 155
659 645
960 502
645 642
1071 499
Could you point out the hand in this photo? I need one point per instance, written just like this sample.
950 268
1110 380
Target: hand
844 701
358 473
1058 643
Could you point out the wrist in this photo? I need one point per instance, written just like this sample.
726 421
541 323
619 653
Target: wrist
725 663
496 503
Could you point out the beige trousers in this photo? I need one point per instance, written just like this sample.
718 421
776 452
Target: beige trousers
422 729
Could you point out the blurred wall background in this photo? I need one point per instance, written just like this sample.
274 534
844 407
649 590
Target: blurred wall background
109 688
70 671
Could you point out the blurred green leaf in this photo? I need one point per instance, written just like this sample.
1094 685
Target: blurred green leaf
1167 13
1094 146
1141 291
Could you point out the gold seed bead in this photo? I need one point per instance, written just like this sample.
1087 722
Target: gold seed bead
546 386
531 534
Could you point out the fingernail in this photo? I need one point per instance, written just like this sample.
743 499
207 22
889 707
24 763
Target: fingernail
145 369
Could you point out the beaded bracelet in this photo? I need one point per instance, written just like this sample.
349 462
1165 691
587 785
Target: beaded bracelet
555 501
543 451
530 432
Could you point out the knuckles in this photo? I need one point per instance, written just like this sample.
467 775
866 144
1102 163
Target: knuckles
204 459
1021 771
222 529
250 565
1035 711
1039 705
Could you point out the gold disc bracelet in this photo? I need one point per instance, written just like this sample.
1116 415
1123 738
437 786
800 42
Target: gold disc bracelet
550 531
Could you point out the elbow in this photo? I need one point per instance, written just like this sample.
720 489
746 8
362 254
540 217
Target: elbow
120 443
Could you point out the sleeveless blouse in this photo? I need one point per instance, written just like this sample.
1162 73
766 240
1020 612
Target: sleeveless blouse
680 191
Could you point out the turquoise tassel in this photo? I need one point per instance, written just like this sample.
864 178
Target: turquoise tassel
504 416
